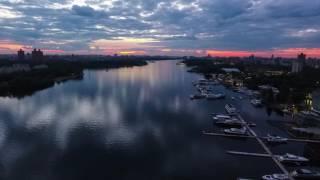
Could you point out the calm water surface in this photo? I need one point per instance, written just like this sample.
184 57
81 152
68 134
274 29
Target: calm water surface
130 123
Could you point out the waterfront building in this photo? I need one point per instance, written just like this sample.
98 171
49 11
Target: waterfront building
297 65
21 55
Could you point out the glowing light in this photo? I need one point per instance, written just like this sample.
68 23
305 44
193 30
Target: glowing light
228 53
132 52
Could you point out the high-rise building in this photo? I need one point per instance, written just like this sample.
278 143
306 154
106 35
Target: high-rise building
20 54
297 65
37 55
302 58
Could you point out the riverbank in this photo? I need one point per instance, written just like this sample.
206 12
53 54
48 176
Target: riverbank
291 88
23 78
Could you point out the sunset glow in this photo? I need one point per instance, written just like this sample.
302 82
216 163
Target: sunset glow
173 28
289 53
8 46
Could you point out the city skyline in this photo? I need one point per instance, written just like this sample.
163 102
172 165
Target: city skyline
146 27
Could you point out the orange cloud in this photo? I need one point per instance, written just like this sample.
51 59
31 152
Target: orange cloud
10 46
229 53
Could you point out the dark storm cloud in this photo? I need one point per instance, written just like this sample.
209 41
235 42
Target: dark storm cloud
179 24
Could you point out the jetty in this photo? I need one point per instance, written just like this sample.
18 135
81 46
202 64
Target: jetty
266 148
250 136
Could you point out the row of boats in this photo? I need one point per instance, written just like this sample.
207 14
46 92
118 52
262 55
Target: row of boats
297 174
238 127
205 88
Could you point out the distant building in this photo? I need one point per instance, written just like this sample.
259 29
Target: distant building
297 65
37 55
21 55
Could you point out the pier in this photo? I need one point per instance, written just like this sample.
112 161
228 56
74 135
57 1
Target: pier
248 154
266 148
249 136
225 135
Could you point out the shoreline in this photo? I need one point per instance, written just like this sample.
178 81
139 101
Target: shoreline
24 78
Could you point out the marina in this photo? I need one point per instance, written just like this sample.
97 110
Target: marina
278 159
234 118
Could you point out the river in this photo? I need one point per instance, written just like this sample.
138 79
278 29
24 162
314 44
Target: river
128 123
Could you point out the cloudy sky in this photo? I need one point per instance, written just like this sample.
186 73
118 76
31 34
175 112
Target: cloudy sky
162 27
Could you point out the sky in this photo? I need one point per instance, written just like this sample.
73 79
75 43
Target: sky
162 27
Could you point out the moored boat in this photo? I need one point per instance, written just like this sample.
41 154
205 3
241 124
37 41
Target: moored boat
236 131
291 158
305 174
276 139
216 96
220 116
197 96
256 102
229 122
275 177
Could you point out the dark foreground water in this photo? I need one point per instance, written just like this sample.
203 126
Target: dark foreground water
135 123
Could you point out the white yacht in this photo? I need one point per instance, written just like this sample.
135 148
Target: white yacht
291 158
197 96
231 109
215 96
229 122
220 116
236 131
256 102
276 139
305 174
275 177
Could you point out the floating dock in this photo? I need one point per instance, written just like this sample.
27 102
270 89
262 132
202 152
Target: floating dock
250 136
225 135
248 154
266 148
